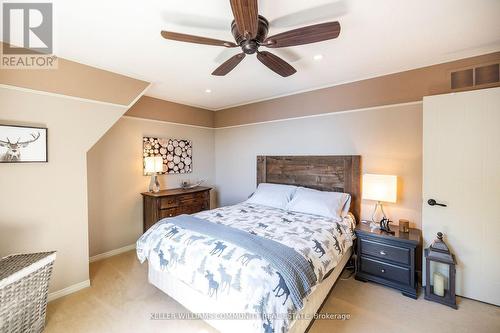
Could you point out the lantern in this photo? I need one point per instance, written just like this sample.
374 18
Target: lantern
440 273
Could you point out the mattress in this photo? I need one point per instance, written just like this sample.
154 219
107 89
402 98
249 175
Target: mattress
225 278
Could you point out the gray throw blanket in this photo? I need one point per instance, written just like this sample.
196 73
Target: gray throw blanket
296 271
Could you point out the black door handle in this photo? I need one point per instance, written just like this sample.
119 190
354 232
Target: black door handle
433 202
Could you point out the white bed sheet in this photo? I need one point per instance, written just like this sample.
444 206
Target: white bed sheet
191 300
193 260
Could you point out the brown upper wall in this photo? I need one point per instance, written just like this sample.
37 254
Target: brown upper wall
77 80
159 109
396 88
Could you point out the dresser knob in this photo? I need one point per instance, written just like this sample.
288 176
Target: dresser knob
382 270
383 253
169 215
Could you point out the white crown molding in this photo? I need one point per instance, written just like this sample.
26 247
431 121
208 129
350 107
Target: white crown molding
46 93
166 122
323 114
402 69
139 96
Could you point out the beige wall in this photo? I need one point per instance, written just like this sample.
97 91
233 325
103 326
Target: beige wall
115 178
388 138
402 87
44 205
158 109
77 80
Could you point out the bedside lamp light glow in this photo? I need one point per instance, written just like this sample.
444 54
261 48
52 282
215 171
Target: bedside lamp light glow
381 188
153 164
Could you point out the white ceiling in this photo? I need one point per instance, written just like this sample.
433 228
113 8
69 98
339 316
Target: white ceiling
377 37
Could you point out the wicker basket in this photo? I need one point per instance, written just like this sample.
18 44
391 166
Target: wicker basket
24 284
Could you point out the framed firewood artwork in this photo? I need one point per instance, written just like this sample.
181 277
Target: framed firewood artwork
177 154
23 144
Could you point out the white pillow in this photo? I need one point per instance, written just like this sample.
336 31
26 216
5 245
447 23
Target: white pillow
273 195
328 204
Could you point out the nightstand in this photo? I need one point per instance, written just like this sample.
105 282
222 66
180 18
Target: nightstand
388 259
170 203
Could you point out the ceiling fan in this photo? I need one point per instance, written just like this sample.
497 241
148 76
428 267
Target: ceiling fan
250 32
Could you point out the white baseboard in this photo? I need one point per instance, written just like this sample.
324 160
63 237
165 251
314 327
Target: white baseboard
68 290
112 253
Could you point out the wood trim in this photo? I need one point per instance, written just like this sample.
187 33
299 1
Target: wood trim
325 173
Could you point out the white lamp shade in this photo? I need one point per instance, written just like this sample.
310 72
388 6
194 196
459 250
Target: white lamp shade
380 187
153 164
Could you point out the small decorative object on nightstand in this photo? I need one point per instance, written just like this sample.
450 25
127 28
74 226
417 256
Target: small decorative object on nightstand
388 259
170 203
186 185
437 289
404 225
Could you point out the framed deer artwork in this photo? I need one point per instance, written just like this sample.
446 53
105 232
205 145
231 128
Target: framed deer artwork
23 144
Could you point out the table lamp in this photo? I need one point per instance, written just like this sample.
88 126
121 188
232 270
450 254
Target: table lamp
152 165
381 188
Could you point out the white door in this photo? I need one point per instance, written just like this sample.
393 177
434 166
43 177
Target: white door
461 168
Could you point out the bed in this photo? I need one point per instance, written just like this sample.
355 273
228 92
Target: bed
216 279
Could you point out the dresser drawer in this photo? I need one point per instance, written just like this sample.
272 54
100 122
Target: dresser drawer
173 202
192 198
191 209
385 251
386 271
170 212
169 202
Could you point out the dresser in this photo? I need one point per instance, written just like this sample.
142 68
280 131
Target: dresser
388 259
169 203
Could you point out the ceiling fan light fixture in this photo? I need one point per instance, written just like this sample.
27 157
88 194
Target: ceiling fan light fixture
208 91
250 31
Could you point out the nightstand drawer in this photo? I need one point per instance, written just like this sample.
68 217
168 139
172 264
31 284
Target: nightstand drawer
386 271
168 203
385 251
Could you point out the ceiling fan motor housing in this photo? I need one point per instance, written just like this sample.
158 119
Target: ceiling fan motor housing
250 46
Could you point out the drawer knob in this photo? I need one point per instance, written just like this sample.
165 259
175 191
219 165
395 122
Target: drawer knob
383 253
382 270
170 215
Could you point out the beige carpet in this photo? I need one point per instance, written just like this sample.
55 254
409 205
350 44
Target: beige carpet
121 300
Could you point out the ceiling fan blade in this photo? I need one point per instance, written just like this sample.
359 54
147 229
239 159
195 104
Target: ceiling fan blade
229 65
246 14
320 13
196 39
306 35
276 64
225 54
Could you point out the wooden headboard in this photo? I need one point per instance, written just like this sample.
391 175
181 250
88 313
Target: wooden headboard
326 173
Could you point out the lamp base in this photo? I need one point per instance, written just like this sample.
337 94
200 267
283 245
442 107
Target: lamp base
154 184
374 218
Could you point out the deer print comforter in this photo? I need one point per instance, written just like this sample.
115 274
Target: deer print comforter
226 272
